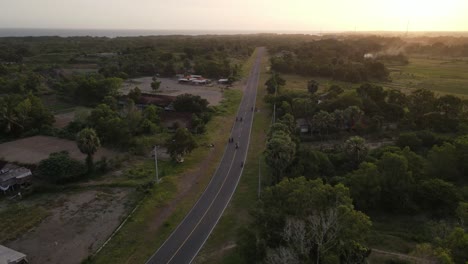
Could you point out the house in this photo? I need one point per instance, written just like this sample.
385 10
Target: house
13 177
302 125
10 256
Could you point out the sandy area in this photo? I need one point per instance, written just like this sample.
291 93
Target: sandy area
32 150
62 120
168 86
75 229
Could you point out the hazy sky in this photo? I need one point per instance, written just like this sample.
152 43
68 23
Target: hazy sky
423 15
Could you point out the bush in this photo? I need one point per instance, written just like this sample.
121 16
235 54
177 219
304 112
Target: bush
60 168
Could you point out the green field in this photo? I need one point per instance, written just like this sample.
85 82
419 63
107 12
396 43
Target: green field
299 83
443 76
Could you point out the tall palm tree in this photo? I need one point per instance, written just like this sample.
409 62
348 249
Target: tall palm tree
355 147
88 143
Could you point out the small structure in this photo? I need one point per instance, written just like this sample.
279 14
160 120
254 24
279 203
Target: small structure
13 177
10 256
163 101
302 125
194 79
223 81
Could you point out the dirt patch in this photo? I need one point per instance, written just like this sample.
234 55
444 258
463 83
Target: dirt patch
76 228
32 150
62 120
213 93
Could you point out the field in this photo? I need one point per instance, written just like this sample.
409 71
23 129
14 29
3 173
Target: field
443 76
299 83
213 93
32 150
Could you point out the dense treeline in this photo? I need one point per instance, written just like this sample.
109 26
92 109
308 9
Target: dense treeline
423 173
330 58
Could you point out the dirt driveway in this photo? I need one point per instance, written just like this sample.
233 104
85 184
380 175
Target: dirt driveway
168 86
76 228
32 150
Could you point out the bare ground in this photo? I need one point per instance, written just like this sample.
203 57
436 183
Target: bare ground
32 150
75 228
62 120
171 87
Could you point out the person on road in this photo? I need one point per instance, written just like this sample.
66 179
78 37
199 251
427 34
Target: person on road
242 164
237 145
241 119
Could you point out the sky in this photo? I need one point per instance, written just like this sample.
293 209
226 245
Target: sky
268 15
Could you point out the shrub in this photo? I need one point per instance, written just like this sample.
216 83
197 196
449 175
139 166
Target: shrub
60 168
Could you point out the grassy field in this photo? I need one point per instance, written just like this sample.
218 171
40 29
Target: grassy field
141 236
299 83
218 248
18 219
443 76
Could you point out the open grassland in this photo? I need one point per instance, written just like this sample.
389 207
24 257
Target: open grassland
165 204
219 246
299 83
443 76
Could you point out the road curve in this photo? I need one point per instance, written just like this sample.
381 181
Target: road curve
185 242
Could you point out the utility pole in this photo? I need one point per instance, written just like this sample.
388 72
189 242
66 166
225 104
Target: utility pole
156 163
274 104
259 177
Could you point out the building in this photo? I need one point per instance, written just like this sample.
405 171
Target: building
13 177
10 256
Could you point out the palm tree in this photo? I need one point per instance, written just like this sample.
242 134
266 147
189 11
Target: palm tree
88 143
355 147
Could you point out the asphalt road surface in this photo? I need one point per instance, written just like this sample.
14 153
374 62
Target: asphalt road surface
188 238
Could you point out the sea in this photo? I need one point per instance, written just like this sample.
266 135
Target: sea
112 33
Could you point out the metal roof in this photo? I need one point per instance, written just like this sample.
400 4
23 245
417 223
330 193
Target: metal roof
8 255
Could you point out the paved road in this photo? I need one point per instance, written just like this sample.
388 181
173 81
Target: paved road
188 238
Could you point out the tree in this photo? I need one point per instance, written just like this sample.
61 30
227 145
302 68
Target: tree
60 168
274 83
134 94
397 181
180 144
279 153
311 164
190 103
409 139
289 122
365 186
155 84
438 197
88 143
323 121
443 162
312 86
355 148
307 221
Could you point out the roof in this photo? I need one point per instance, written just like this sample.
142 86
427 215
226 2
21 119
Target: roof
156 99
11 175
8 255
